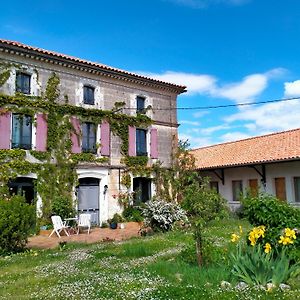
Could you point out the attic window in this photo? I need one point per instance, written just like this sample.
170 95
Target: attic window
140 105
23 83
88 95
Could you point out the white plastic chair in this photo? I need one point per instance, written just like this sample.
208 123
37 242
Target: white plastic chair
84 221
58 226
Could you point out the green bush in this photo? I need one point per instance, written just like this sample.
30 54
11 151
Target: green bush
204 203
133 214
269 211
63 206
17 220
275 215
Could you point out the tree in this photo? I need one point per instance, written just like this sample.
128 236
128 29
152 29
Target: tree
183 184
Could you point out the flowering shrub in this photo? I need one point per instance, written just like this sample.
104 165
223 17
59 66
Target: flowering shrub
257 263
161 215
275 215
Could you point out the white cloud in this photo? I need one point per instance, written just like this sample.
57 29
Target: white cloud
204 84
196 83
210 130
196 142
269 117
234 136
292 89
186 122
201 113
249 87
246 90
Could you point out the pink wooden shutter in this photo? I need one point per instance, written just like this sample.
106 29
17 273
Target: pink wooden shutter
153 143
105 139
131 141
5 120
75 137
41 132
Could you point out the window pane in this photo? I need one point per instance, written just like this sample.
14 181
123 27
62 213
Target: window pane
92 138
23 83
214 185
89 137
141 146
26 132
88 95
297 188
21 131
140 104
84 137
16 131
237 189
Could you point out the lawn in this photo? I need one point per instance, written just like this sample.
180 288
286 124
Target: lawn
154 267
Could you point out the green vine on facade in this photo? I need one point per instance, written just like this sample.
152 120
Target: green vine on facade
52 91
41 156
56 171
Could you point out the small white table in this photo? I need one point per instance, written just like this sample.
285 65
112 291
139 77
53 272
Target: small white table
67 220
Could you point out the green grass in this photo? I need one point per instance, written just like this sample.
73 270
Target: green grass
154 267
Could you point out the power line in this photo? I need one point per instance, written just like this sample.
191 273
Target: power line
222 106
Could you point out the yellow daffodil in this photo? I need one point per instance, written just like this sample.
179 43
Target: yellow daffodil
256 233
267 248
285 240
252 238
290 233
235 237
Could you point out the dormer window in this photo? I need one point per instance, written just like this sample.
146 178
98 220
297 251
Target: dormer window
140 105
88 95
23 83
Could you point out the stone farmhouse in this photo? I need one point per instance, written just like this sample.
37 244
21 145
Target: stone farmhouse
71 125
268 163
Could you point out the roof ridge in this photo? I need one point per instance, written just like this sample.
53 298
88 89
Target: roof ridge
181 88
245 139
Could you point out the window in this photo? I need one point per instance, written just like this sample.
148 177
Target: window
214 185
23 83
141 189
237 189
21 131
89 137
253 185
140 105
280 188
297 188
88 95
141 142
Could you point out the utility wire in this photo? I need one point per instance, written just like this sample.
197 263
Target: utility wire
221 106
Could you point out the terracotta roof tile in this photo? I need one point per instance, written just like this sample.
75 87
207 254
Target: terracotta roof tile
273 147
54 54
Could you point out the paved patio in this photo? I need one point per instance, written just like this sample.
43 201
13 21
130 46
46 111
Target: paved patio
96 235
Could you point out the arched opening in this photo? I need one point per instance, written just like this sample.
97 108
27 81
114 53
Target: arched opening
142 190
23 186
88 197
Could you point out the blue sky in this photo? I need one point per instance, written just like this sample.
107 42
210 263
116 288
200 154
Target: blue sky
225 51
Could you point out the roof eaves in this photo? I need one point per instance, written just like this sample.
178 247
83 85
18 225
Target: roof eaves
252 163
96 67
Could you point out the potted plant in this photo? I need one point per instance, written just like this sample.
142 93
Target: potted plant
113 222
